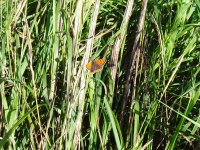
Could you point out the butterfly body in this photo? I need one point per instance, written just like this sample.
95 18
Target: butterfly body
96 65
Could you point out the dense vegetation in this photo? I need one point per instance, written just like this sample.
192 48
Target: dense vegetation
146 97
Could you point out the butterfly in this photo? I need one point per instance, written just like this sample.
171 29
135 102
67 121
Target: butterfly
96 65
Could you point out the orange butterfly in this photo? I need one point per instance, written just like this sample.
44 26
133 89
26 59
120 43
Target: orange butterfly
96 65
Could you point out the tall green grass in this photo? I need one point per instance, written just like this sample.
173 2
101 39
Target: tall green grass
49 100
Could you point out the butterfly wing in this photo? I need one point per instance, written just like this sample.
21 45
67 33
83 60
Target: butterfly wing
95 67
89 66
100 62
